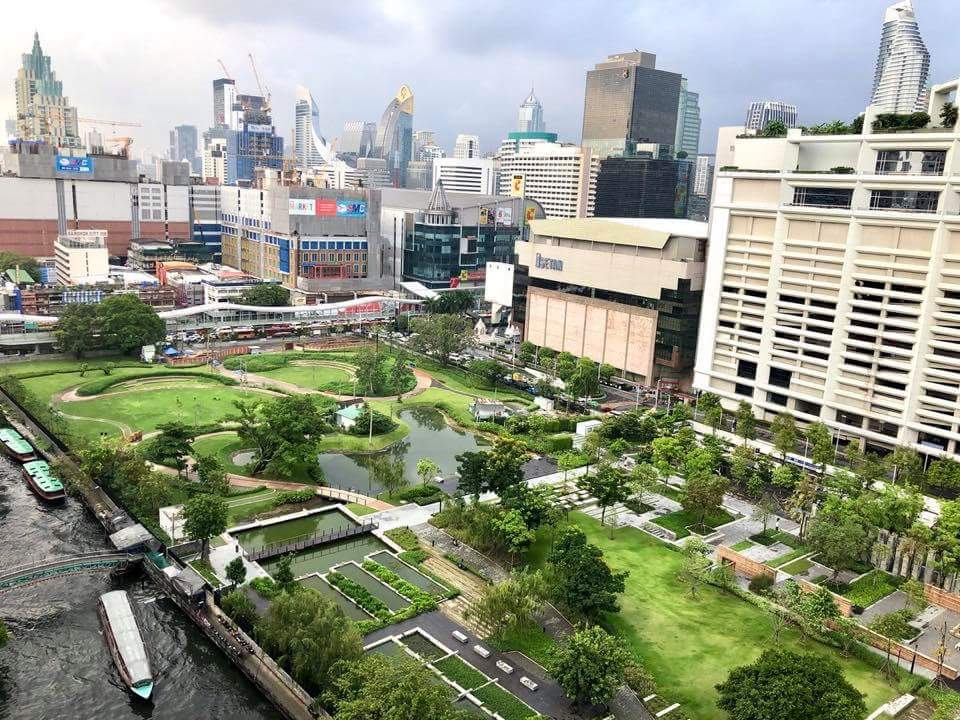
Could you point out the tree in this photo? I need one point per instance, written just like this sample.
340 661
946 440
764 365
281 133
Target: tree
821 445
741 465
527 352
916 596
765 510
838 541
387 473
948 114
696 562
472 471
382 687
906 465
283 431
580 579
4 634
283 575
790 686
236 571
746 423
427 469
454 302
77 328
127 323
643 478
212 475
709 404
441 335
172 444
802 499
399 373
784 429
204 517
512 604
703 496
152 491
607 371
369 372
511 531
504 466
310 636
773 129
943 474
239 607
265 295
589 665
490 371
584 381
27 264
667 454
608 485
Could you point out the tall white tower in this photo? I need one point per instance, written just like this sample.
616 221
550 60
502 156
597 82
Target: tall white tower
312 148
903 64
466 147
530 118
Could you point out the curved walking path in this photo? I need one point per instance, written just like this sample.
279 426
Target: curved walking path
424 381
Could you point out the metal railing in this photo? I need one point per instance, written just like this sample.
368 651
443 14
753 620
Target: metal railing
304 542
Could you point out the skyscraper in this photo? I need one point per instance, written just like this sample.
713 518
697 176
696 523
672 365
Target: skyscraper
688 122
466 147
628 101
43 113
763 112
224 95
357 138
394 142
311 147
530 118
183 146
903 63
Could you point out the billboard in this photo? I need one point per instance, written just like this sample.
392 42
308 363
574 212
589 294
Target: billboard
321 207
504 215
499 286
516 185
79 165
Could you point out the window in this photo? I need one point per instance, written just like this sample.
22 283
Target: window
823 197
777 399
911 162
742 389
906 200
780 378
747 369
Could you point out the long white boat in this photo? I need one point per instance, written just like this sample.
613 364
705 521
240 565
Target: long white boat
126 643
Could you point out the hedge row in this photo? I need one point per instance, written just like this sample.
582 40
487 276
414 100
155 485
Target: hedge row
360 595
424 601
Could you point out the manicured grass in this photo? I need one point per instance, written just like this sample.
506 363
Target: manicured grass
872 587
345 443
531 640
690 645
742 545
308 375
223 447
504 704
249 505
788 557
457 378
680 520
797 566
668 491
190 402
461 673
360 510
203 567
46 386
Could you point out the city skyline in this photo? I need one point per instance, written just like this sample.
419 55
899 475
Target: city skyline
394 40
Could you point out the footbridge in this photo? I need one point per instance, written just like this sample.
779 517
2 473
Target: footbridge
58 567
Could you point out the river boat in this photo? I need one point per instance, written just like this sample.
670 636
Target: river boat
45 485
126 642
15 446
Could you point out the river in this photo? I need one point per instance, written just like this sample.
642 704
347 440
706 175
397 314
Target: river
57 664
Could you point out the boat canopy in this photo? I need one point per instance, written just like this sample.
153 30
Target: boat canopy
126 634
14 440
39 470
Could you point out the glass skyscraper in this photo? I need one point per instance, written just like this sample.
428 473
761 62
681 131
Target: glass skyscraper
394 141
311 147
688 122
530 118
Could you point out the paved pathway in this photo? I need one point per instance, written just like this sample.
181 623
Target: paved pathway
444 544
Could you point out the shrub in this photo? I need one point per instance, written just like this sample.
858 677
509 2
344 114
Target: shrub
95 387
424 601
896 121
843 170
421 494
404 537
293 496
265 587
639 680
414 557
359 595
382 424
761 584
240 608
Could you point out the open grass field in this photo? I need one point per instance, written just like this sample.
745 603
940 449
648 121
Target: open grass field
308 375
690 645
222 446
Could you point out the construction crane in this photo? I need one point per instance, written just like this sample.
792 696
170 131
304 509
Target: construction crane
114 123
264 92
225 71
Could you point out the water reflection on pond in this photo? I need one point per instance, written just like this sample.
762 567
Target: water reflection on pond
430 436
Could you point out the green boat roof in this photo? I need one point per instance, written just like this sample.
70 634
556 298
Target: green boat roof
39 470
48 483
37 467
14 440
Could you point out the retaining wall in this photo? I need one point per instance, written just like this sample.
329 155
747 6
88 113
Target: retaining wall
742 565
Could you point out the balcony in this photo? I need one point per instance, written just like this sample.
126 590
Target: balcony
911 201
911 162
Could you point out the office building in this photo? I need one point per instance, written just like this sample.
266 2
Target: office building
357 138
43 194
43 113
311 240
254 144
629 101
183 146
373 173
443 240
561 177
687 138
621 291
394 141
82 257
763 112
831 292
699 203
637 187
475 176
530 117
420 175
903 63
215 160
466 147
204 210
311 148
224 97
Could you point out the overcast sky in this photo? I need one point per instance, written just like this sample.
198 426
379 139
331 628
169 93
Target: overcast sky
469 64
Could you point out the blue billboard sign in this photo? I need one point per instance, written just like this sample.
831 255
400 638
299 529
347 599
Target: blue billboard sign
80 165
351 208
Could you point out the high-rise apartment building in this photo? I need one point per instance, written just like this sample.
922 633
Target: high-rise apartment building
81 257
832 293
687 139
215 160
530 118
394 141
466 147
43 113
903 63
357 138
224 96
473 175
561 177
763 112
183 146
629 101
703 175
311 147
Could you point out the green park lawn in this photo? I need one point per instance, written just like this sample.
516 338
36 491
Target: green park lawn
308 375
247 505
222 446
690 645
